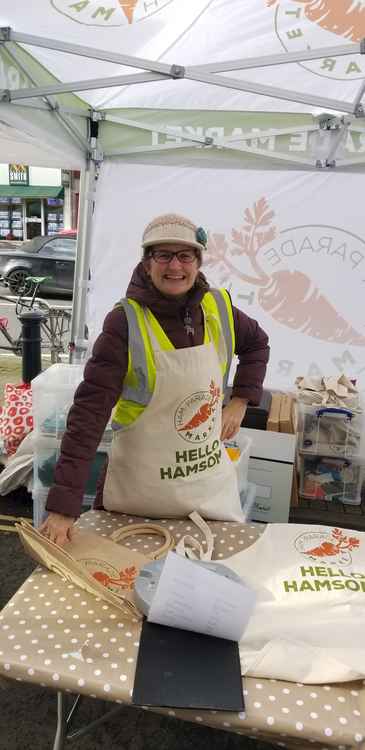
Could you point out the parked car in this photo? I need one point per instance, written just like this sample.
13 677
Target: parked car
67 233
43 256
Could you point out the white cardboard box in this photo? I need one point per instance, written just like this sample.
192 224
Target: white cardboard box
270 467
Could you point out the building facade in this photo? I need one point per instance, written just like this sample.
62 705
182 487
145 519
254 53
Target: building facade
36 201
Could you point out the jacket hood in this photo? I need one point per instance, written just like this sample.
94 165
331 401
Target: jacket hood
142 290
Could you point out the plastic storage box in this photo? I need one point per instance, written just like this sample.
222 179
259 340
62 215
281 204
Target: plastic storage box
46 455
40 495
247 501
331 479
329 431
53 393
240 444
44 465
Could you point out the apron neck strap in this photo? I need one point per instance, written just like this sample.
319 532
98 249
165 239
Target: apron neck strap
210 322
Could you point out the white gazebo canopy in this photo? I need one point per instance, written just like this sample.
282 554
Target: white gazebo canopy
144 95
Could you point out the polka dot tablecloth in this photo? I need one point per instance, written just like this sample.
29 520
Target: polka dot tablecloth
56 635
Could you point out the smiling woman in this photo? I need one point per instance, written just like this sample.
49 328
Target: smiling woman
161 366
172 253
172 272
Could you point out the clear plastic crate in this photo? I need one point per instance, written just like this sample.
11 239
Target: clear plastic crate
40 495
247 501
329 431
53 393
331 479
46 454
242 444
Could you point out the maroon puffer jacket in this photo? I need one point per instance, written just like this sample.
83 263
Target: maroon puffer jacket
105 371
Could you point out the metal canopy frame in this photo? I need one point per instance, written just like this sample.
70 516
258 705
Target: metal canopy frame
210 74
156 71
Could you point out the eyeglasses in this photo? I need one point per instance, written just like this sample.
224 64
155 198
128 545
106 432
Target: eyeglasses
165 256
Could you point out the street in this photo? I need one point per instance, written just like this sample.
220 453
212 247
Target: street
7 311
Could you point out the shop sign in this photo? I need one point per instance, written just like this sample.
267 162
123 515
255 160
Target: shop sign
18 174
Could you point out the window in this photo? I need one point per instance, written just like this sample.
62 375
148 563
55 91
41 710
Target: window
53 215
58 245
11 219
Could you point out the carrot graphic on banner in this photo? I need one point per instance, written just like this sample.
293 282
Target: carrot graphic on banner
204 411
128 6
343 17
290 297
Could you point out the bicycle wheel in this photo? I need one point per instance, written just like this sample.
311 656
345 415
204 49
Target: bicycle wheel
14 344
17 283
54 329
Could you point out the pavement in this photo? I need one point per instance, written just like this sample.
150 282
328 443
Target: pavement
9 244
11 368
10 372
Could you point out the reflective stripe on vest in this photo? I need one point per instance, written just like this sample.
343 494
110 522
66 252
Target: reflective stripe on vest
223 302
140 379
136 386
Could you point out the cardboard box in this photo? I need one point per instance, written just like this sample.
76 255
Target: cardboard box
273 422
286 414
270 467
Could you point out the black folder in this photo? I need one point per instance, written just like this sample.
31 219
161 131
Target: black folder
181 669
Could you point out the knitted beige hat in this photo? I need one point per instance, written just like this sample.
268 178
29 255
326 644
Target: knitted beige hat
174 228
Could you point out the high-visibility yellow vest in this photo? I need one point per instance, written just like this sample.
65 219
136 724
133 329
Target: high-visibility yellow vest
140 379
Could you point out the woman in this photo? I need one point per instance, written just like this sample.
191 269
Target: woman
162 361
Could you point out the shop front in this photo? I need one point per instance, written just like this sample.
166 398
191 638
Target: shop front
27 211
31 202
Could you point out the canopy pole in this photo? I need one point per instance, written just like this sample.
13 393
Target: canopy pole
7 34
78 343
89 176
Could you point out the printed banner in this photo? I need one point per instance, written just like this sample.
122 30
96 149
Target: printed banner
196 32
290 247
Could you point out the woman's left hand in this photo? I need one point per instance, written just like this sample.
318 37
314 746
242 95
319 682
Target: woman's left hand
232 416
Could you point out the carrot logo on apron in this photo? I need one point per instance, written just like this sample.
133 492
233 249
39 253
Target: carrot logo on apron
331 547
195 416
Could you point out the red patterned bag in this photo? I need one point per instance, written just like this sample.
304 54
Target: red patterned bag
16 419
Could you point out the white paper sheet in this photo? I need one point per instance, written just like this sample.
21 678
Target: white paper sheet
190 597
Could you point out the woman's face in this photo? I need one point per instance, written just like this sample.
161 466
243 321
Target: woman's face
173 276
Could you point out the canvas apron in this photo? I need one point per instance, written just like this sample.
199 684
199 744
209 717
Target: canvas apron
170 461
308 623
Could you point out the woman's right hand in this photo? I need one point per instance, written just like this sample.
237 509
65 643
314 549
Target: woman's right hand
58 528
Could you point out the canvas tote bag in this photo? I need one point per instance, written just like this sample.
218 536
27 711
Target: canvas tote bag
97 564
308 622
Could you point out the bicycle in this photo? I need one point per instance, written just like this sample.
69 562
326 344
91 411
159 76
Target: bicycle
54 326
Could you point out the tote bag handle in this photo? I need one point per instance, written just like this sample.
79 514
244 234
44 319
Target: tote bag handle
136 529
